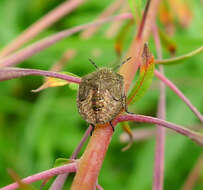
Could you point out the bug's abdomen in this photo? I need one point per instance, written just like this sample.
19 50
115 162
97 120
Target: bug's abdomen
99 107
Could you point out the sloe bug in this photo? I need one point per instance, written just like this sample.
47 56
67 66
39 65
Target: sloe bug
101 96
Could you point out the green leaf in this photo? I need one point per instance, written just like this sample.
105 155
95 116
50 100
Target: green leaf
54 82
73 86
61 162
143 82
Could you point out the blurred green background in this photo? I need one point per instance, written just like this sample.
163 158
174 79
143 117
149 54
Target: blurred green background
37 128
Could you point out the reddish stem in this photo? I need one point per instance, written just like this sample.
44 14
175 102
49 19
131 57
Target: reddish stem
196 137
106 13
59 181
160 136
99 187
92 159
43 175
179 93
129 69
47 42
194 175
7 73
142 24
40 25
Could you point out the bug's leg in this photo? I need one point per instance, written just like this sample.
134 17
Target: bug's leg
126 110
112 126
93 127
126 107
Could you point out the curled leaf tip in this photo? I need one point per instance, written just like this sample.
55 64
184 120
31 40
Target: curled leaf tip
42 87
147 57
128 146
145 78
127 129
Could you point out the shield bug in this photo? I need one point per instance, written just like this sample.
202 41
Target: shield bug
101 96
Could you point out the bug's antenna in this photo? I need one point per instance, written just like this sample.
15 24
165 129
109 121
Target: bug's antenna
126 60
122 63
93 63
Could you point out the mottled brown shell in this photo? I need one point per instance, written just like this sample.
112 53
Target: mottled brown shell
101 96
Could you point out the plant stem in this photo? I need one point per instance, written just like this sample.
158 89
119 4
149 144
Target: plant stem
129 69
179 93
99 187
92 159
196 137
193 175
47 42
179 58
7 73
43 175
59 181
87 173
160 136
39 26
106 13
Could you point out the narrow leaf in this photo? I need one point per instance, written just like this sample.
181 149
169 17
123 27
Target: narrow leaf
54 82
62 161
145 77
20 183
179 59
